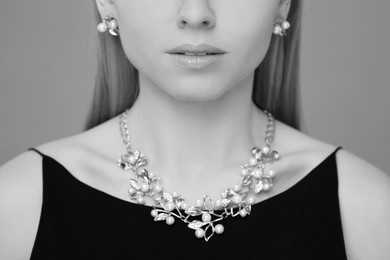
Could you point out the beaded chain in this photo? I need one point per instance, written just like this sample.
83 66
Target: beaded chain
204 217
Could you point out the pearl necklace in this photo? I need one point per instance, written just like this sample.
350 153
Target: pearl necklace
204 217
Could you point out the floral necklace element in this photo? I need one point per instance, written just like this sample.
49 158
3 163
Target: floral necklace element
204 217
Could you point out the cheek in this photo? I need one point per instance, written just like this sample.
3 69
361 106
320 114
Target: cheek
141 22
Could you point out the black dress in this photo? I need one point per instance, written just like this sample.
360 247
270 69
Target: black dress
80 222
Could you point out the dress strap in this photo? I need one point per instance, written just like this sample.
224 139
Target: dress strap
35 150
337 149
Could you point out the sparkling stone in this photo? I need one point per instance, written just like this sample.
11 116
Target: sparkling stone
219 229
141 200
237 187
132 191
224 195
175 194
237 199
154 213
199 233
252 161
206 217
199 203
113 24
170 220
243 213
170 206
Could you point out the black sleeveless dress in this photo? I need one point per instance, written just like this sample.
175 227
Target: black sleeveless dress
80 222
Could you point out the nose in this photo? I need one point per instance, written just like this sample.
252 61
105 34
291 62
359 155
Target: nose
196 14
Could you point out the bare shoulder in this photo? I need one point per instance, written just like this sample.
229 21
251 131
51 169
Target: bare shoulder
365 207
20 205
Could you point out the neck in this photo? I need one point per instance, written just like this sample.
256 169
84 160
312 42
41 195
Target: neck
191 137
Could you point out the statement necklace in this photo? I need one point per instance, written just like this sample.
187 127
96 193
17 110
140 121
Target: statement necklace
204 217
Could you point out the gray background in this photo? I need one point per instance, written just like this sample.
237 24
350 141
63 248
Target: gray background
47 67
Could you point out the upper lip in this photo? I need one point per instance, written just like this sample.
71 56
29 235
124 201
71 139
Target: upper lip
196 49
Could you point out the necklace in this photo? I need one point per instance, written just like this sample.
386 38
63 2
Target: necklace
204 217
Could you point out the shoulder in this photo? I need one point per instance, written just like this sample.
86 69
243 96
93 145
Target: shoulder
21 187
20 205
365 207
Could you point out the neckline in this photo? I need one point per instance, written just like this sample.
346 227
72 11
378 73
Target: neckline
257 205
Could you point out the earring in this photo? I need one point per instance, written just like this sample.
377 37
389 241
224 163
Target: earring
281 26
109 23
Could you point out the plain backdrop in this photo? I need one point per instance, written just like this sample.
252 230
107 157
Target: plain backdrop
47 68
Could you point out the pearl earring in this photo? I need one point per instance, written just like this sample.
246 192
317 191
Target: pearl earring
109 23
281 26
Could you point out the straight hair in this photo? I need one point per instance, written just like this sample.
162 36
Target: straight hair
275 85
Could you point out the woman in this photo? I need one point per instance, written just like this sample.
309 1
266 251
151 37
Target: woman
188 69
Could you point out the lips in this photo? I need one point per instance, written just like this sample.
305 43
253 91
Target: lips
196 50
196 57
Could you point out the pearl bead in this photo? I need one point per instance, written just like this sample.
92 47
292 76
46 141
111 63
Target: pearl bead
141 200
244 172
250 200
252 161
243 213
102 27
277 29
219 229
145 187
237 199
158 188
271 173
206 217
184 206
276 155
267 186
151 175
170 220
154 213
199 233
266 149
255 150
218 204
286 25
132 159
258 173
132 191
224 195
237 187
170 206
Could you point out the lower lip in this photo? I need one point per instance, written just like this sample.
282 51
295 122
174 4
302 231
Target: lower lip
197 62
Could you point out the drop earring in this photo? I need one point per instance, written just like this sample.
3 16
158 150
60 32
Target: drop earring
281 26
109 23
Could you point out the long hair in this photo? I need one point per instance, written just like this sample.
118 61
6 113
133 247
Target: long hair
275 85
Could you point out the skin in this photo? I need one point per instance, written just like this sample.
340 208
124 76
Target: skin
180 121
